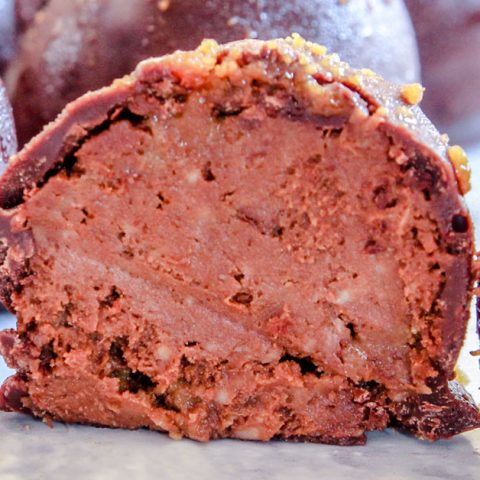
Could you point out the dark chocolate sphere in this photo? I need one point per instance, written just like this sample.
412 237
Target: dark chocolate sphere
449 41
8 140
79 45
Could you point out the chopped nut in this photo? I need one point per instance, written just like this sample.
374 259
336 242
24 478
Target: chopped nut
193 176
461 376
246 433
444 138
208 46
459 160
175 435
222 397
297 41
163 5
355 80
317 49
344 297
125 81
311 69
163 353
367 72
233 21
404 112
226 68
271 44
412 93
382 111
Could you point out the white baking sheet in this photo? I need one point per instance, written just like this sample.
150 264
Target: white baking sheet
31 450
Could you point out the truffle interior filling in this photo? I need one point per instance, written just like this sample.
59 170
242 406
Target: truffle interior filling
216 273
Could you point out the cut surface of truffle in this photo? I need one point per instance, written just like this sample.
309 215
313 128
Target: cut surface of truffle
244 241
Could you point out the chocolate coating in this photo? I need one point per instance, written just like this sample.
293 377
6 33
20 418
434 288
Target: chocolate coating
8 139
165 140
448 33
79 45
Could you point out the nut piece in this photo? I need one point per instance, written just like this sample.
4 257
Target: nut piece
412 93
459 160
461 376
164 5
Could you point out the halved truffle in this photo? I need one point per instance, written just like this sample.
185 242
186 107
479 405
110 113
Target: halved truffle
82 45
251 241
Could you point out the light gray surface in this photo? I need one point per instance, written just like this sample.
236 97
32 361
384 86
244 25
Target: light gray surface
6 321
469 364
31 450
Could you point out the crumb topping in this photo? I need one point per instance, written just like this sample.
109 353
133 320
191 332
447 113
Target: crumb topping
412 93
459 160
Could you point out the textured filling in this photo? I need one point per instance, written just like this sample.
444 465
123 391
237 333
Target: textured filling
215 272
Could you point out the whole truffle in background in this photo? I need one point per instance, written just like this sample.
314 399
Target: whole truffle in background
15 17
81 45
7 32
448 34
8 140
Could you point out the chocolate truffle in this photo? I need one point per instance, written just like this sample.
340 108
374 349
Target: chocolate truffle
251 241
449 40
8 139
15 17
81 45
